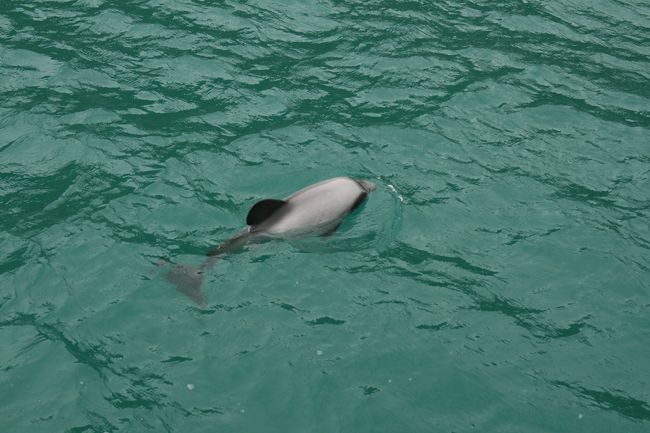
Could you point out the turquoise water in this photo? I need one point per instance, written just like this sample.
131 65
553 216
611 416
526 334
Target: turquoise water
498 280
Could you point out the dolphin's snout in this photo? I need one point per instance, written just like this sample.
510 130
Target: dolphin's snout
367 185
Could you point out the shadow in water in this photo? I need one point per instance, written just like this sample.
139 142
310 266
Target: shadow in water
141 389
615 401
470 280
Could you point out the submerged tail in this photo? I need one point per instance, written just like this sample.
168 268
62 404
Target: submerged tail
188 279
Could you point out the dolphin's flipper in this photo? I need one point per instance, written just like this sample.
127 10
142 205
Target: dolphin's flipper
358 201
187 280
330 232
262 210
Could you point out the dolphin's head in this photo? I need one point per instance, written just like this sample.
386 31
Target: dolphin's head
367 185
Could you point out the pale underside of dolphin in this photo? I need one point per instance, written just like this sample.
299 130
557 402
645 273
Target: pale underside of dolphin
314 210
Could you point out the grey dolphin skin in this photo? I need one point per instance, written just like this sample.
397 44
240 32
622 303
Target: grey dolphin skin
317 209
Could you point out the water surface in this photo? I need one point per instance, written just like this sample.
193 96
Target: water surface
497 281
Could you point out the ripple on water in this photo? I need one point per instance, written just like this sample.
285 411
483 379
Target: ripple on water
495 280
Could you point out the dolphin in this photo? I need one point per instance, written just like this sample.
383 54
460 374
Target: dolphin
316 209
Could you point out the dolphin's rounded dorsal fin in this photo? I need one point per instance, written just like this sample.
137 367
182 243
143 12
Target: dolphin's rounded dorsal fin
262 210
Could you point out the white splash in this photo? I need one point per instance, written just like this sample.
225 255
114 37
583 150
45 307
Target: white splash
393 190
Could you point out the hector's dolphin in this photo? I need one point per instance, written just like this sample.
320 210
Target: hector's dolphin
317 209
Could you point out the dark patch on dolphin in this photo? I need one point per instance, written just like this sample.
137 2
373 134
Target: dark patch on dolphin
317 209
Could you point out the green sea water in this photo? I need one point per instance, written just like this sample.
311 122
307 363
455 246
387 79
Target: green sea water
498 279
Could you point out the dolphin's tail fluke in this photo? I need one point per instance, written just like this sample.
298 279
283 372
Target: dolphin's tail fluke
188 279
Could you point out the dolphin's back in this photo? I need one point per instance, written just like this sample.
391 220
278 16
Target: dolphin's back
319 206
